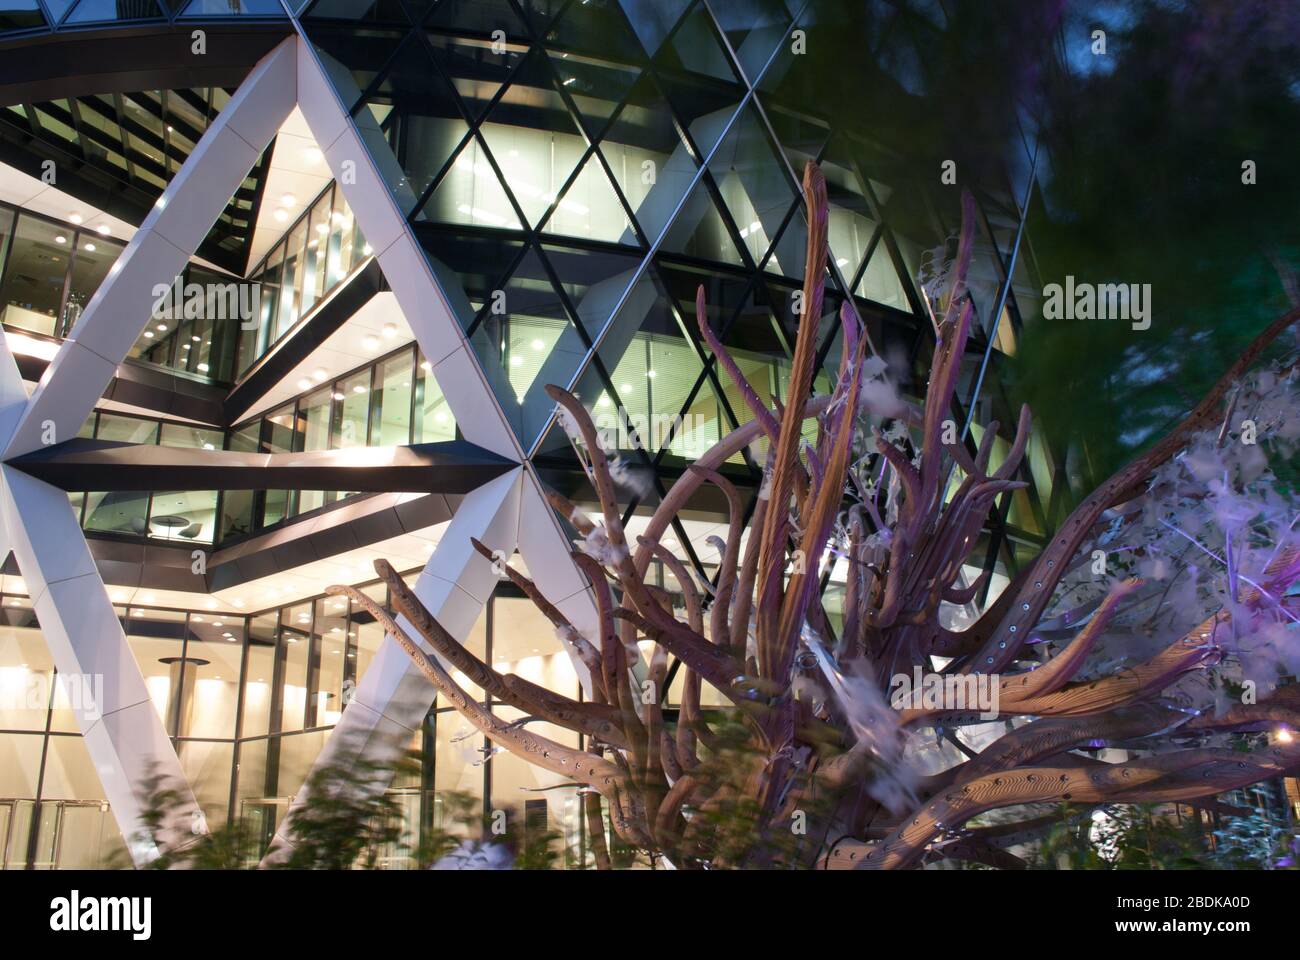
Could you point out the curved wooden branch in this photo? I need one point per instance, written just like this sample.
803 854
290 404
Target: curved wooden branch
1030 602
1185 775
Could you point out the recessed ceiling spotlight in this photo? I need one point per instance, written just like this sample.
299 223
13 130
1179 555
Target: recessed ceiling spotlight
538 345
426 365
102 230
148 334
288 200
304 384
313 155
74 218
370 343
358 389
320 374
60 239
281 215
89 248
322 228
337 395
162 327
390 330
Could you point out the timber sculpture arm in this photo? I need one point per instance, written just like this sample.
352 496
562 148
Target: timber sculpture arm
806 727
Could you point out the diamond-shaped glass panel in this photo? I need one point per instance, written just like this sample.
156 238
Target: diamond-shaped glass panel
596 27
696 48
410 123
594 280
540 13
94 11
477 68
596 85
756 188
524 341
700 231
231 8
470 193
478 16
469 266
533 138
352 56
589 207
880 280
754 29
650 162
653 20
56 8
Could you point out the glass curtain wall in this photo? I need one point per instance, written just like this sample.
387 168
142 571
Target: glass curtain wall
248 702
48 271
319 251
392 401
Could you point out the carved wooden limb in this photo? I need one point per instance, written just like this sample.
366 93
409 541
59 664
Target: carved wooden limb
540 751
552 707
1185 775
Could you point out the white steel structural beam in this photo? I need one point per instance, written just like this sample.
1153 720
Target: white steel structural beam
393 698
120 309
120 727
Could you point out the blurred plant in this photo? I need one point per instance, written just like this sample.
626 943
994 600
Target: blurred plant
347 821
1149 837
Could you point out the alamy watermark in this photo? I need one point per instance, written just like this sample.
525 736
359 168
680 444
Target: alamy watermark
75 913
81 692
237 300
1098 301
961 692
655 430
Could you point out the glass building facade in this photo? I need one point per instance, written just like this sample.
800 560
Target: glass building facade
572 172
